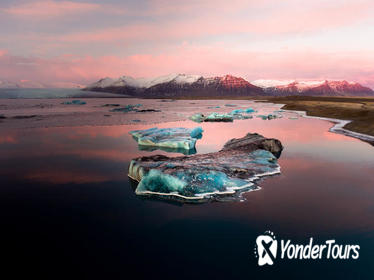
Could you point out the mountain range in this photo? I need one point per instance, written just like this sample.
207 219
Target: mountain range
182 85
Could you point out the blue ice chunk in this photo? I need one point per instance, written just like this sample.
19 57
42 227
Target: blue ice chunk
74 102
208 182
267 117
156 181
214 107
237 111
219 117
230 105
197 132
249 110
177 139
188 184
263 157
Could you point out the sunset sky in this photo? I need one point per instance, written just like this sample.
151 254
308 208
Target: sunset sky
81 41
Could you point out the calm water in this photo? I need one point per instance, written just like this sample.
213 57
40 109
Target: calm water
68 208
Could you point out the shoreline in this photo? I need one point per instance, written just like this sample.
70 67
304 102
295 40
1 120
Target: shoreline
338 126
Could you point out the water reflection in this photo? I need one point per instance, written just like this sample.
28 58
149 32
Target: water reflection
324 190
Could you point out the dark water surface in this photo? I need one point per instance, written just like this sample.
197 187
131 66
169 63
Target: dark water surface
68 208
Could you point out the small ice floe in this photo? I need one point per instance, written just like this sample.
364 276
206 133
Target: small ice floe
237 114
231 105
74 102
111 105
204 177
178 139
249 110
148 111
127 108
268 117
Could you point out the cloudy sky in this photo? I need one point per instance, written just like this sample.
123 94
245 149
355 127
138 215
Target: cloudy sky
81 41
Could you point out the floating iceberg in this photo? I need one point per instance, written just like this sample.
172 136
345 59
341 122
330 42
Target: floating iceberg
249 110
237 114
231 105
74 102
171 139
197 118
237 111
206 176
127 108
268 117
218 117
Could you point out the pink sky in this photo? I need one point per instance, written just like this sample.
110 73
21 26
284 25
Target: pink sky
81 41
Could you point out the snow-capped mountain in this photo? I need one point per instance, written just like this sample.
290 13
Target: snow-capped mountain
177 85
313 88
194 85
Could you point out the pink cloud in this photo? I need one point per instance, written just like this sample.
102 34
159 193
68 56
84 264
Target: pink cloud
49 8
275 21
210 61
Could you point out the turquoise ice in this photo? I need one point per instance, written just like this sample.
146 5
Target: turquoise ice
207 176
74 102
219 117
173 139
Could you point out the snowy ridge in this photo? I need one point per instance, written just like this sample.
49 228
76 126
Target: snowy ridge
301 85
271 83
145 82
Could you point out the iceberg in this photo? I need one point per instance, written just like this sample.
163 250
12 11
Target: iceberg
268 117
238 114
197 118
127 108
237 111
249 110
218 117
171 139
204 177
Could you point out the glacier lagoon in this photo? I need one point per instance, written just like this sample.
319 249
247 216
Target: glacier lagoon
65 189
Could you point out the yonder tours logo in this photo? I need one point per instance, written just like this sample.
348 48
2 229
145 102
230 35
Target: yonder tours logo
266 249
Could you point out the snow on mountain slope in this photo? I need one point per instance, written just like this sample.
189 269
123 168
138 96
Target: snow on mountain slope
182 84
316 87
271 83
144 82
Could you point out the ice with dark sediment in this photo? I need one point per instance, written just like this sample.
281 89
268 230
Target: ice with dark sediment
269 117
208 176
178 139
127 108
